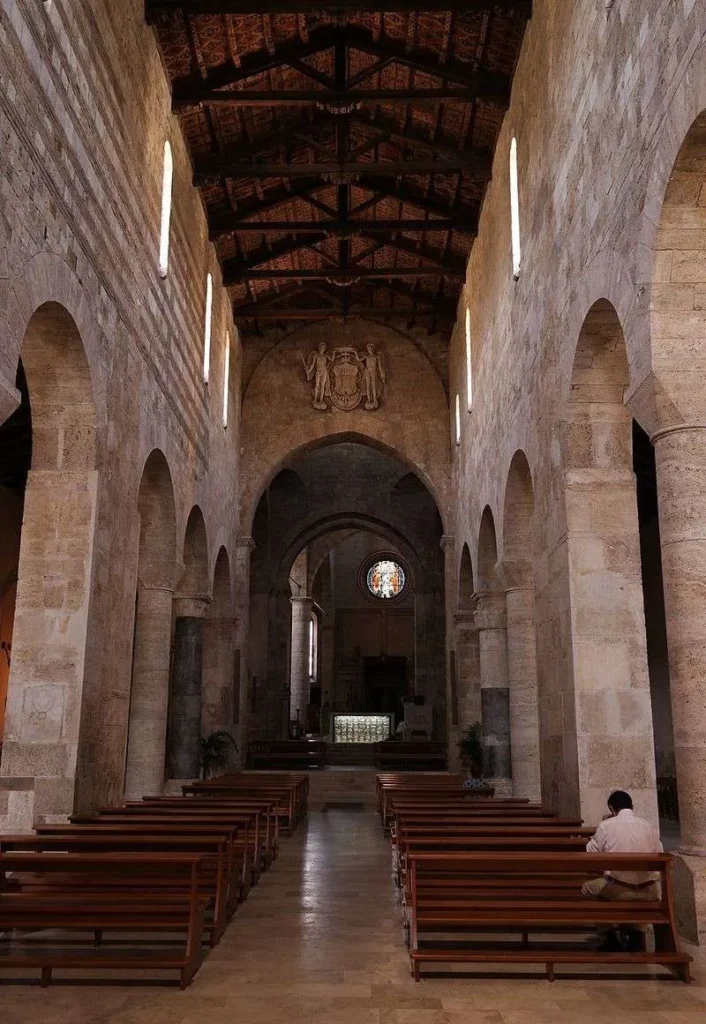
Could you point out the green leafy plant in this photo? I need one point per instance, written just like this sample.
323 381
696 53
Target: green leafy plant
470 750
215 752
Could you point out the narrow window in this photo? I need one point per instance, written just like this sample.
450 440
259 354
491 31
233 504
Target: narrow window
167 175
207 329
515 211
458 418
469 365
226 385
313 629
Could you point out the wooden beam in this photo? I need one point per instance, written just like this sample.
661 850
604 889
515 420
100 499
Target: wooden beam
231 224
480 159
233 270
330 98
384 189
278 197
350 313
252 65
214 167
421 252
156 8
347 274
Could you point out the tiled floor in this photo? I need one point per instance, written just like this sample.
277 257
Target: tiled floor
319 942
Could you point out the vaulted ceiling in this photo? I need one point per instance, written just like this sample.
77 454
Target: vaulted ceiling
342 151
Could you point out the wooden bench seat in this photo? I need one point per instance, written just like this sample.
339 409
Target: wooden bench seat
79 895
220 879
446 896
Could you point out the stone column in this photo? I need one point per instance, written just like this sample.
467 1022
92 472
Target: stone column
184 723
451 656
149 692
467 670
524 697
494 691
244 547
299 679
610 705
219 684
681 479
49 648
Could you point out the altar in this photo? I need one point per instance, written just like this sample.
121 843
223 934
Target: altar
361 728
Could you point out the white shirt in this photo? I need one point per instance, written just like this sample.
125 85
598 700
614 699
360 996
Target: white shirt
626 833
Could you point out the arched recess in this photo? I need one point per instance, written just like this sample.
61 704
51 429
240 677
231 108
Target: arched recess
221 663
50 642
191 605
518 572
609 710
149 692
490 620
467 652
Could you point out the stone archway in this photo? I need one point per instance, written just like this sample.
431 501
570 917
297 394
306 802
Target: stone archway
490 621
147 729
50 638
609 711
518 574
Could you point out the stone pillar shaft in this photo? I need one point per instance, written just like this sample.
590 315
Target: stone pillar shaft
184 721
217 710
523 695
681 478
494 690
149 694
241 575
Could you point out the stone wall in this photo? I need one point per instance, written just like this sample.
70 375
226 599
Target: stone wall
80 193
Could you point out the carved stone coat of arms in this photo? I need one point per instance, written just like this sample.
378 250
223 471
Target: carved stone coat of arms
345 377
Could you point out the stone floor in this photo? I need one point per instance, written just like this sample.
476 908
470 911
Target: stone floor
319 942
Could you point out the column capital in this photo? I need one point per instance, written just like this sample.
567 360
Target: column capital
192 605
490 611
245 544
156 587
465 620
447 542
303 601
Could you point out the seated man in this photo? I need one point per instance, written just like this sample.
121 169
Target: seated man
621 831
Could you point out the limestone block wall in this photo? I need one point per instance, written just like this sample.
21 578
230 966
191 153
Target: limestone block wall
80 192
601 103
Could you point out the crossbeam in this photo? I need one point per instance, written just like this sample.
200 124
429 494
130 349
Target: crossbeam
353 312
214 168
347 274
155 8
224 226
327 98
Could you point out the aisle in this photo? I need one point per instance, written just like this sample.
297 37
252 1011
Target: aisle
319 942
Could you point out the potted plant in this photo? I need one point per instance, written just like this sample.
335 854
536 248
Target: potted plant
470 750
215 752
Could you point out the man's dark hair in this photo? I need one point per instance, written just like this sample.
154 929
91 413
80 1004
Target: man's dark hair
620 801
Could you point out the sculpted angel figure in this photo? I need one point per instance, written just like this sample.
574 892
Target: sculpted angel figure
317 368
373 371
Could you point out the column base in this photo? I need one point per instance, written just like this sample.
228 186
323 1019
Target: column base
502 787
690 897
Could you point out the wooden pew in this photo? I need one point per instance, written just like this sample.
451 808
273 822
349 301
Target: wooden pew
76 893
410 755
261 816
152 819
221 874
302 754
289 789
471 894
